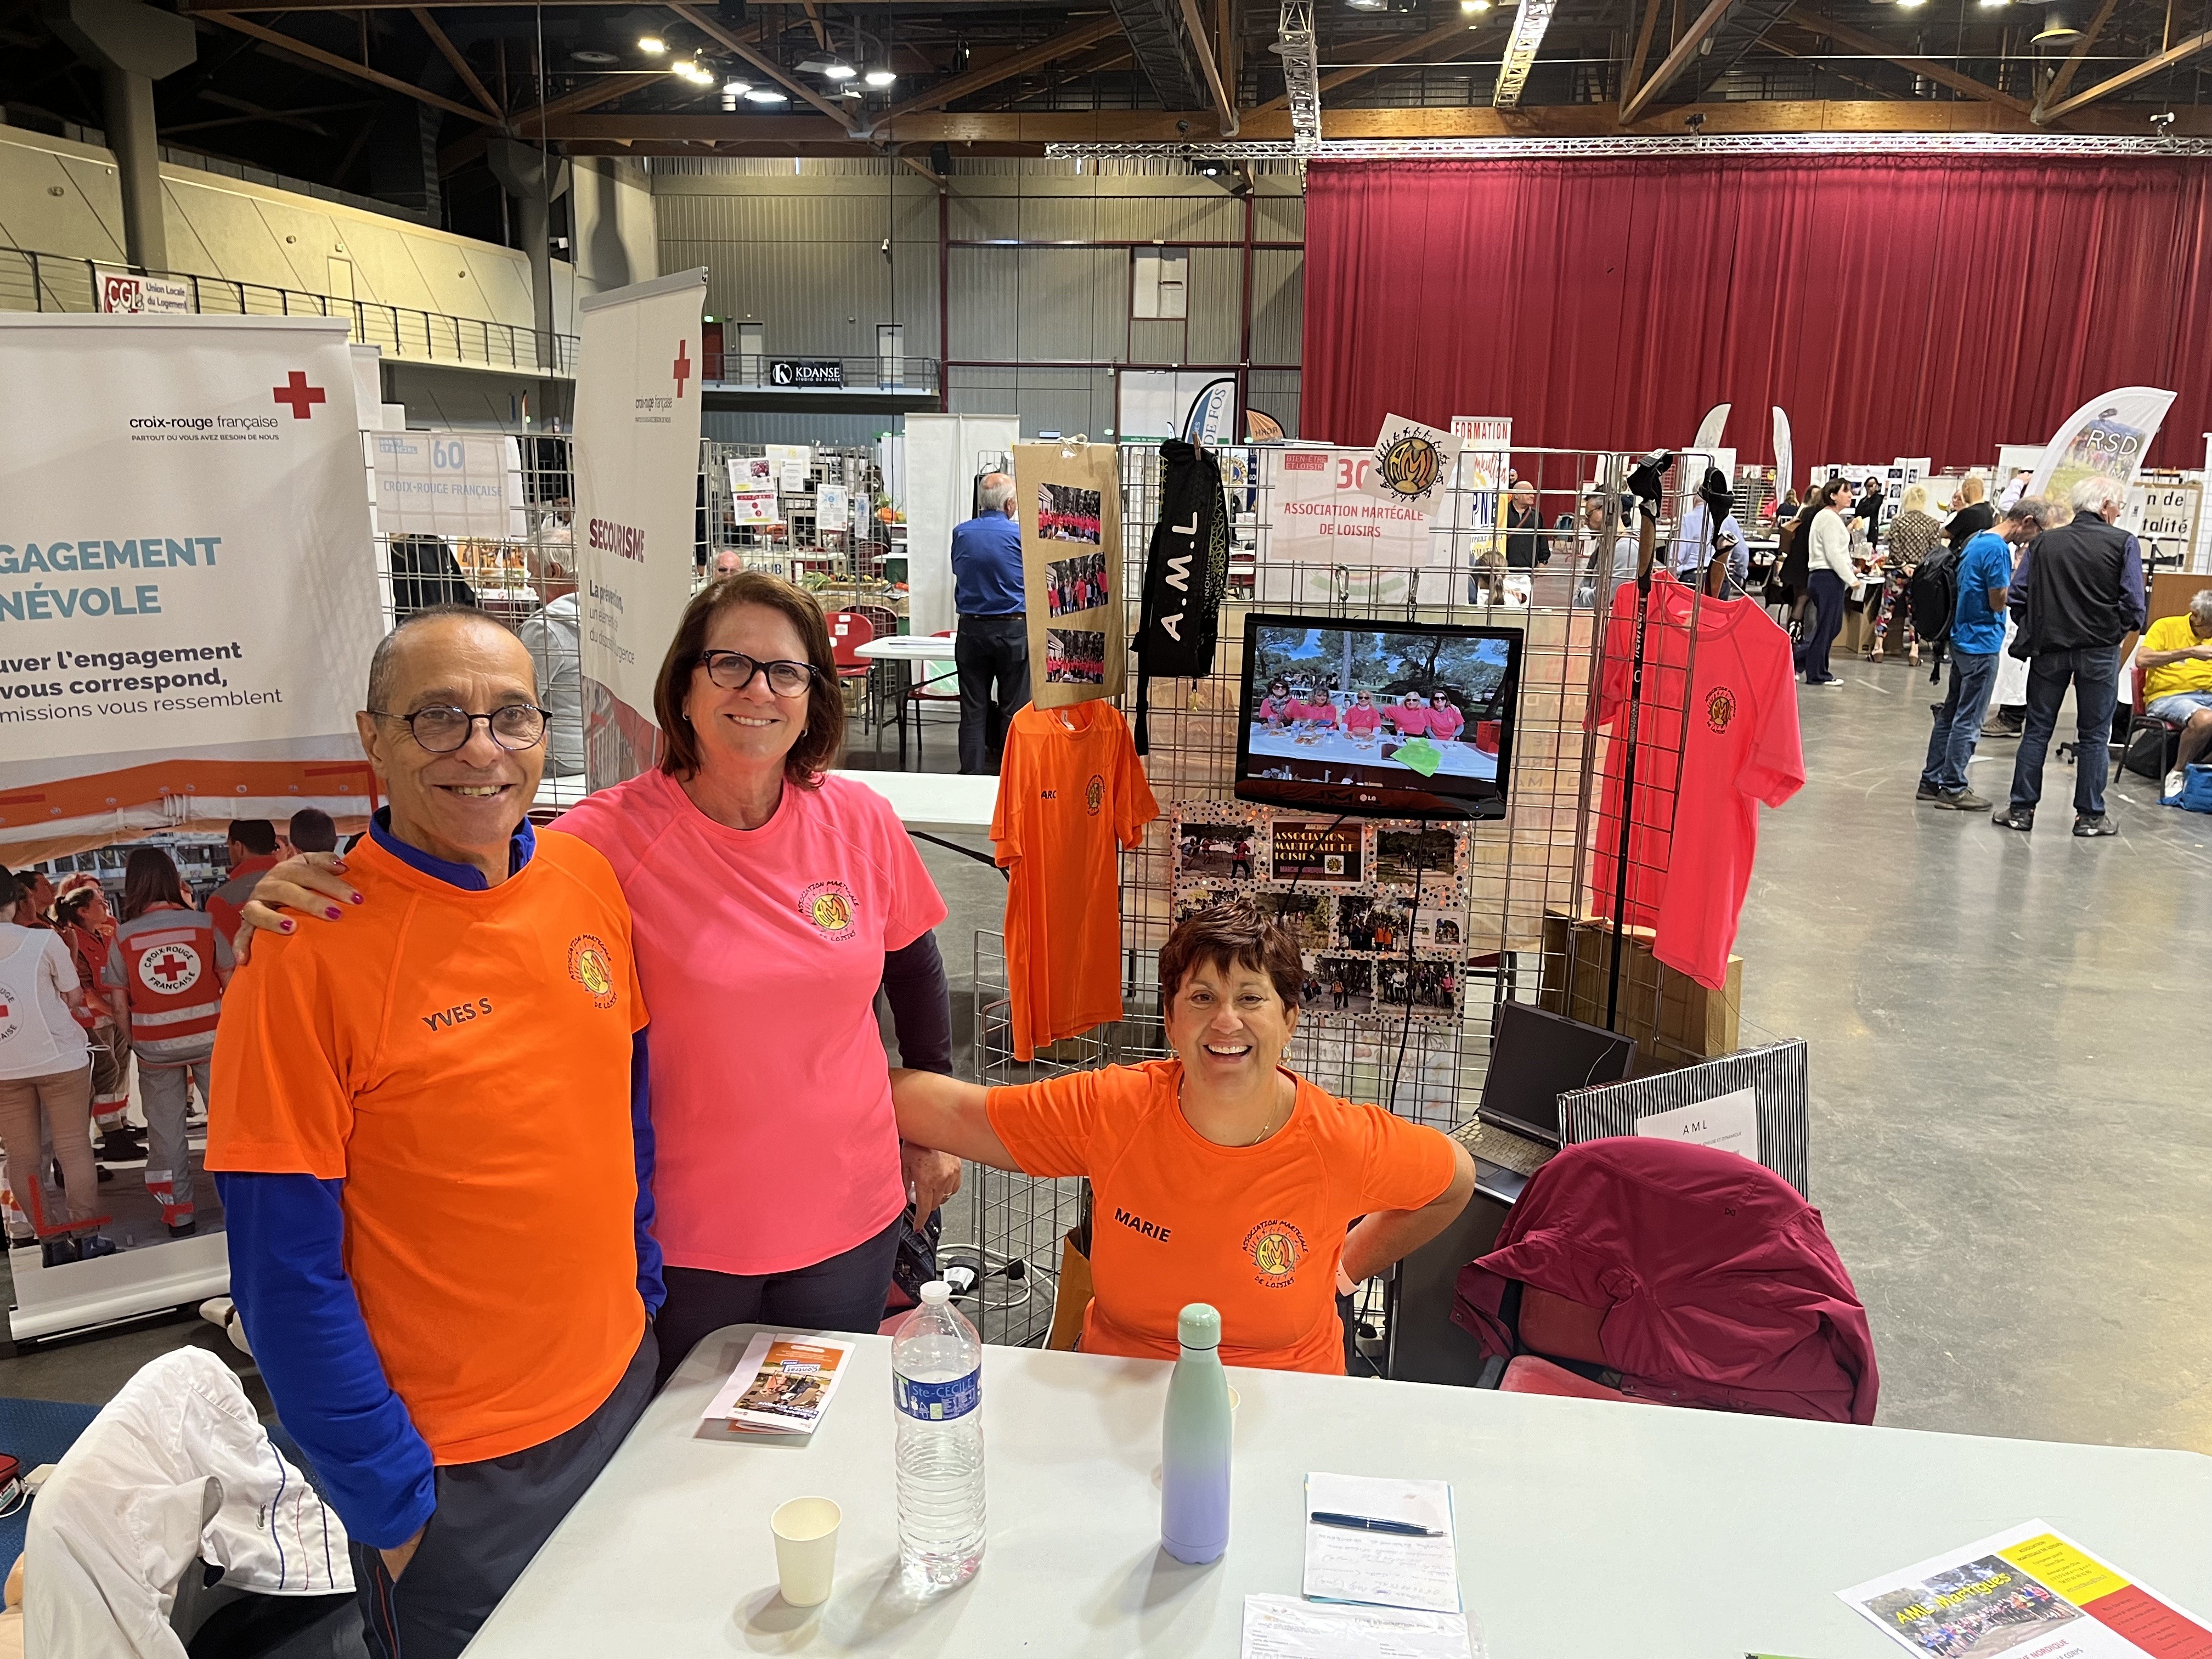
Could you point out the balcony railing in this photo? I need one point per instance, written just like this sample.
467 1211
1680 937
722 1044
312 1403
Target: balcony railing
53 281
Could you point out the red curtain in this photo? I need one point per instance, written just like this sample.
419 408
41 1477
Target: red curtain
1930 304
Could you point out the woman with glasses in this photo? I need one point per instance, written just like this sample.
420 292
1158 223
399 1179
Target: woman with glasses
771 897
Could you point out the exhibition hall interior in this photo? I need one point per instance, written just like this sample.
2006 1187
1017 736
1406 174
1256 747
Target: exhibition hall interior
1301 828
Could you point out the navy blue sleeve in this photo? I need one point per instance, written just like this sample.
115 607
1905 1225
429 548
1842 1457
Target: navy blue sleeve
287 1237
921 1004
650 1285
2131 583
2023 570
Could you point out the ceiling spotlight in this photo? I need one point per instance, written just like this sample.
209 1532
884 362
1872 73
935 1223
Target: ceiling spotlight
732 86
1368 5
595 58
880 77
696 72
1987 3
2056 28
1907 5
840 72
652 45
1472 7
767 95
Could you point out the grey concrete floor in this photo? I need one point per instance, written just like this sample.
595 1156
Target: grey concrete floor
2010 1147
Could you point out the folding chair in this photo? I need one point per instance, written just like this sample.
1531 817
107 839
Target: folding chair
2139 720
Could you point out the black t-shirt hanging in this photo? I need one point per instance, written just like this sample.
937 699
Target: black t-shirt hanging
1185 575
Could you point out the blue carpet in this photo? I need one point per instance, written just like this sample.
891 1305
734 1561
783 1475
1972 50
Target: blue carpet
35 1432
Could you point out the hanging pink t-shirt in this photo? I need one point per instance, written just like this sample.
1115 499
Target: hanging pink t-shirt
1362 722
759 951
1712 744
1410 722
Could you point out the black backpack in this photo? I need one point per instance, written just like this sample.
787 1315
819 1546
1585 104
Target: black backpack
1933 595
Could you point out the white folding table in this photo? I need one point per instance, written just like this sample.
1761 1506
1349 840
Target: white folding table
908 648
942 800
1586 1529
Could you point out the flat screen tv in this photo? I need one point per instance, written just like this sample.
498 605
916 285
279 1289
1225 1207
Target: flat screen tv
1397 719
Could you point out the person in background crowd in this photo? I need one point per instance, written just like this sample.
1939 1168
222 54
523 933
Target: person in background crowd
88 927
1976 636
1868 510
1971 511
2015 487
551 637
1793 566
1709 530
1248 1175
1409 716
1609 561
727 560
1828 567
166 965
773 899
2177 654
45 1081
312 830
1526 544
38 902
1913 532
991 653
424 572
442 1246
251 844
2078 592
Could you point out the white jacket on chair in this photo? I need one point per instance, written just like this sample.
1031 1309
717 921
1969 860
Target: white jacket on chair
177 1469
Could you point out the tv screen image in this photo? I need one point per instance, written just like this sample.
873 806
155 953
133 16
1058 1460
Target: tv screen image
1408 720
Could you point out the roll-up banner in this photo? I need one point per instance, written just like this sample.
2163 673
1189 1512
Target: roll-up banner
1784 459
188 589
637 467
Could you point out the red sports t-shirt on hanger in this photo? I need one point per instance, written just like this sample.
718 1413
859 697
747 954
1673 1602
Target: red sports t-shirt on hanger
1716 736
1071 790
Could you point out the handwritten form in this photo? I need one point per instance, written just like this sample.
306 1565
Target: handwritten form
1386 1569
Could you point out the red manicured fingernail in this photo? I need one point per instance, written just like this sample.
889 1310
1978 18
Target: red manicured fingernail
289 925
356 899
332 912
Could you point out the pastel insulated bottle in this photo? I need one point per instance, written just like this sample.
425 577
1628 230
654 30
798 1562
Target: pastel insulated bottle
1195 1443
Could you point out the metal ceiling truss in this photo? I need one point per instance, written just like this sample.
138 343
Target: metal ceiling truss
1738 33
1531 19
2084 146
1301 73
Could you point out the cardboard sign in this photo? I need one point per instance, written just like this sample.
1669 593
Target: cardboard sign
1069 495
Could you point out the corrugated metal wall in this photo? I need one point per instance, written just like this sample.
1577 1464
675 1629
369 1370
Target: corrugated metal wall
1037 330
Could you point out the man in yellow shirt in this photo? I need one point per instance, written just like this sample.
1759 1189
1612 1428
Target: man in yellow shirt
2177 651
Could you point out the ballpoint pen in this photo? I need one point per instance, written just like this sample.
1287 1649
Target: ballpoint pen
1368 1523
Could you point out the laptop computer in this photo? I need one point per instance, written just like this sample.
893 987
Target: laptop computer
1535 1056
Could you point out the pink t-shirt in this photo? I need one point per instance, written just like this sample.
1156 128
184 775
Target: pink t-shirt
1362 722
760 952
1411 722
1321 710
1446 722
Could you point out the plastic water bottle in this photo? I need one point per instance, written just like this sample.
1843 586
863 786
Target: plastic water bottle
1195 1443
937 1384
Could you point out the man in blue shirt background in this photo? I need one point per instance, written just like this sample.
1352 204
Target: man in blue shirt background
992 652
1978 631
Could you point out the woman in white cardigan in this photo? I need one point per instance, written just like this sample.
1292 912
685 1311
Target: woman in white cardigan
1828 568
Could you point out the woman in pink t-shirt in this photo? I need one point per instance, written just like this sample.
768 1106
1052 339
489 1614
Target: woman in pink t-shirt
1363 719
1276 708
771 899
1445 721
1318 712
1410 715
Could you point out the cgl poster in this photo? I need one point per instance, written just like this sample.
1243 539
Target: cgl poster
1069 497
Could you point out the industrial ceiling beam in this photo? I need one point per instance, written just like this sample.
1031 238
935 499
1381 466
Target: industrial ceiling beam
1374 58
1675 63
1019 63
1531 20
1224 106
1942 74
452 54
909 162
2128 77
529 123
346 65
1632 75
742 45
211 8
2056 90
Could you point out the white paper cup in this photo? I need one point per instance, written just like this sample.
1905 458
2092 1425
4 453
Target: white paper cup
805 1532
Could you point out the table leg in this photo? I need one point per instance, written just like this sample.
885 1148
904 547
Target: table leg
906 698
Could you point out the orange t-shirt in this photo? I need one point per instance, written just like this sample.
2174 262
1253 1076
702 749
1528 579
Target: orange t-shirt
1256 1231
461 1061
1070 787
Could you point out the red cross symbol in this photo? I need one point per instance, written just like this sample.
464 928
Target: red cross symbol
169 969
682 366
297 392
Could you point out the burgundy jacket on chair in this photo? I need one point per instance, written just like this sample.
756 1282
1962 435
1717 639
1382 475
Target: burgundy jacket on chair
1718 1283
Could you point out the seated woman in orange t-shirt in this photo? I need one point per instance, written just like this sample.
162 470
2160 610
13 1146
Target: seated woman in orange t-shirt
1217 1176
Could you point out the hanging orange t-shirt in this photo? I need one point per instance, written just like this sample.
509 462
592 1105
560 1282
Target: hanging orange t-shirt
1071 788
1257 1231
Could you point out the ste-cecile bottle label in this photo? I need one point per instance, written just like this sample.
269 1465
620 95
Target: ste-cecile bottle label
938 1403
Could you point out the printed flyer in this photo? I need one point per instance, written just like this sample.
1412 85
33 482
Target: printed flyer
2032 1592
